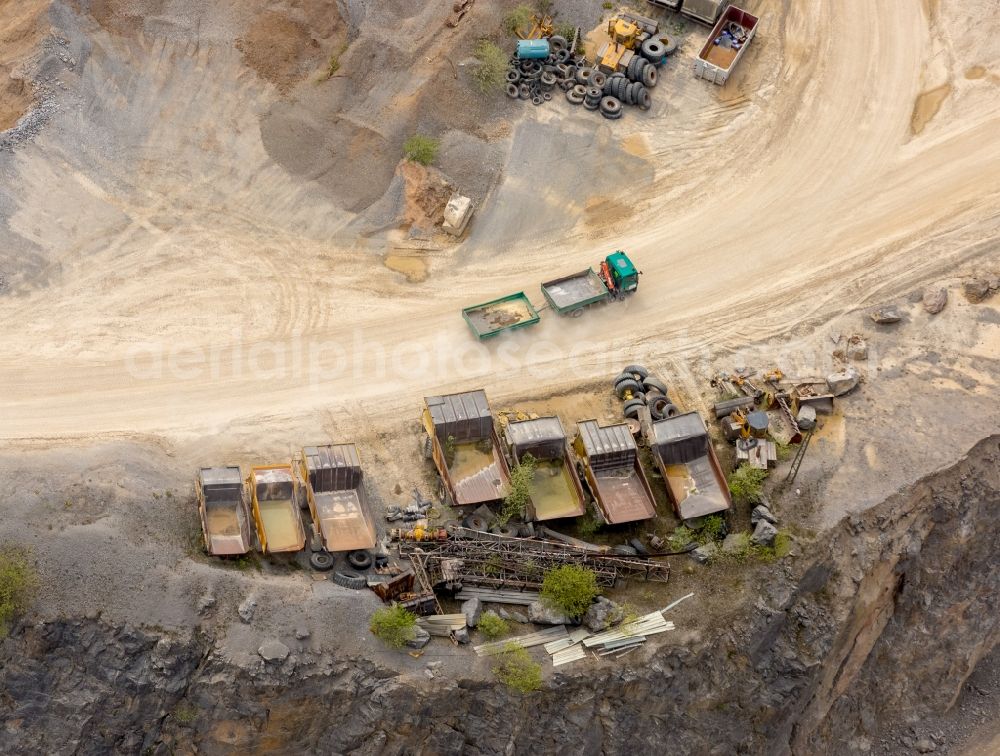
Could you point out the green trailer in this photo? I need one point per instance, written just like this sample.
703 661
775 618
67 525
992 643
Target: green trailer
569 295
499 315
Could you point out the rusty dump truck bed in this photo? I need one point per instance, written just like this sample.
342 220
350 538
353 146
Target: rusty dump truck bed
222 506
338 501
465 447
687 461
556 490
276 513
614 472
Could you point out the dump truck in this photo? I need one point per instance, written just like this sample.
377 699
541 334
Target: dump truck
615 278
726 44
556 490
611 466
499 315
273 498
686 459
338 500
463 442
705 11
222 505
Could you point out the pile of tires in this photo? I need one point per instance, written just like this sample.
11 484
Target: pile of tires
637 389
627 92
536 80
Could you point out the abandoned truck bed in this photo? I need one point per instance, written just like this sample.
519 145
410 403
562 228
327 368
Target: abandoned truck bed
465 447
569 295
499 315
614 472
687 461
556 490
338 500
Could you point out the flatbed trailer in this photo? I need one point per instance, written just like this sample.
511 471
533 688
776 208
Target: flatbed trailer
338 500
466 450
556 491
500 315
273 494
726 45
222 505
691 471
614 472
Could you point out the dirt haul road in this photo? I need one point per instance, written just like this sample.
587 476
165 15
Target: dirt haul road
169 278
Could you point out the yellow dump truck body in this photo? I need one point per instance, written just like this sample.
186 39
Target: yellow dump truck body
273 491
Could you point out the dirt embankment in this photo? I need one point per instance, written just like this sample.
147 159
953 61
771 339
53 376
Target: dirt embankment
22 27
878 631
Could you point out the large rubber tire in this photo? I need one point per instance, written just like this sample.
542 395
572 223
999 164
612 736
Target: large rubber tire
639 372
558 41
649 75
643 99
639 546
548 79
613 116
322 561
654 50
632 70
629 89
591 104
524 91
513 76
348 579
567 85
650 383
611 106
632 408
627 385
563 55
671 46
508 531
474 522
573 96
537 100
359 560
583 75
619 90
658 405
598 79
593 94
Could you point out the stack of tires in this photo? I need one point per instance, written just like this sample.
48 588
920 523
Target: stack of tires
627 92
637 389
536 79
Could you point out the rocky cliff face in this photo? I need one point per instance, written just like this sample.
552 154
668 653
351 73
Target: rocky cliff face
879 629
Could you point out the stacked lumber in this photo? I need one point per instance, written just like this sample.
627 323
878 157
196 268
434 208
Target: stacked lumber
442 625
523 641
498 596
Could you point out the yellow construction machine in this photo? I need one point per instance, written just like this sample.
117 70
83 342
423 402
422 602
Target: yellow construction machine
541 28
618 51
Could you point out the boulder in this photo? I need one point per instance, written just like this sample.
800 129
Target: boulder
419 639
976 289
541 614
760 512
844 381
461 635
301 633
472 609
764 533
886 314
925 745
273 651
934 299
205 603
806 418
513 615
602 614
857 348
246 609
703 554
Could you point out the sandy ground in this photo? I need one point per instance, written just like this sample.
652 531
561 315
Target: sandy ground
182 279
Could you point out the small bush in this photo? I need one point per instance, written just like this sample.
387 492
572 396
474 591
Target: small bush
747 484
185 713
421 149
18 583
515 503
490 74
570 589
516 669
518 18
711 528
588 526
492 626
393 625
607 6
681 537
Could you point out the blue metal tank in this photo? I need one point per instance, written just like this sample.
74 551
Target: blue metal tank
532 49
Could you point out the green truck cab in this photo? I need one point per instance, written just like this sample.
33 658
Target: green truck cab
619 274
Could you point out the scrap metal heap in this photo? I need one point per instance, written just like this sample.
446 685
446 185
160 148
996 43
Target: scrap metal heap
520 563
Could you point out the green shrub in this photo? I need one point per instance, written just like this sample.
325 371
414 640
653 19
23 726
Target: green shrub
515 503
589 525
518 18
516 669
393 625
421 149
681 537
490 74
710 528
570 589
607 6
747 484
18 583
492 626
